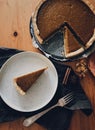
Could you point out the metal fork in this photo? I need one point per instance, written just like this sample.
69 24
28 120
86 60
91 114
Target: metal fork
61 102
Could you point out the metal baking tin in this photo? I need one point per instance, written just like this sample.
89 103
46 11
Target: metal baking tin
54 50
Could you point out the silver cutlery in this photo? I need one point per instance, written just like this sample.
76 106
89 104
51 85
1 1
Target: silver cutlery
61 102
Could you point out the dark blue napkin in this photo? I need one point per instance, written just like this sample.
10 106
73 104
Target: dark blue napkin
58 118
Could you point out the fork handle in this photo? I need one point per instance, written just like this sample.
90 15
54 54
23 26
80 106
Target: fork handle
29 121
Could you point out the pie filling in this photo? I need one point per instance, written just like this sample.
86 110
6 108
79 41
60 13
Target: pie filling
75 15
24 82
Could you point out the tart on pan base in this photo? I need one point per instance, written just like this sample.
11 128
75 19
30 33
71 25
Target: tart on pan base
50 15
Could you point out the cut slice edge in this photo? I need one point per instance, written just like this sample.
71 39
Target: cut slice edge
24 82
72 46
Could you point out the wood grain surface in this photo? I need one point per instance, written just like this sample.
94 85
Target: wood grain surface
14 32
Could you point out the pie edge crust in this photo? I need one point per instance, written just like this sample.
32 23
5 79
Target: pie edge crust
37 33
18 88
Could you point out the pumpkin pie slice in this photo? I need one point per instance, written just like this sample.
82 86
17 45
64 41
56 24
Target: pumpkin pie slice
72 46
24 82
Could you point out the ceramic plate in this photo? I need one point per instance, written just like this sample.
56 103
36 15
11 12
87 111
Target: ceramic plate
41 92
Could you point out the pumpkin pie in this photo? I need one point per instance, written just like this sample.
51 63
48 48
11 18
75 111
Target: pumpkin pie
24 82
72 45
50 15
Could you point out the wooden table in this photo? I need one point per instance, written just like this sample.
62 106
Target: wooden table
14 32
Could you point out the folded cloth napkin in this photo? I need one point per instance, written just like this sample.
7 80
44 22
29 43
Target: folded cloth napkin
58 118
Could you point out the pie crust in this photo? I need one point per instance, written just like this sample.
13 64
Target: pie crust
24 82
50 15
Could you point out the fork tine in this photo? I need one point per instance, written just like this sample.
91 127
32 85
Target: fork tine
68 97
69 100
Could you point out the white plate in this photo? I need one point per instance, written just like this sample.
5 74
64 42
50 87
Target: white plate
42 90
